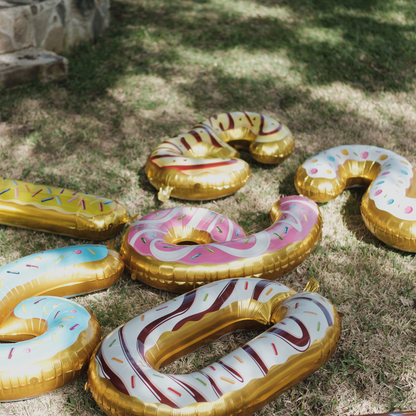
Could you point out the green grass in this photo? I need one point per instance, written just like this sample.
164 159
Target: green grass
335 71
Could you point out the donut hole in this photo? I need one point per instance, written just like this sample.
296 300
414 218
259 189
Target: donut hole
14 329
240 138
357 173
188 236
187 243
204 150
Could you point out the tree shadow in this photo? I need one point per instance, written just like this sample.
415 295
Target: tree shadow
326 41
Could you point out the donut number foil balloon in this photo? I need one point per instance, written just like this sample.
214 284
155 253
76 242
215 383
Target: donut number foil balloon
152 248
124 372
388 207
54 337
202 164
59 211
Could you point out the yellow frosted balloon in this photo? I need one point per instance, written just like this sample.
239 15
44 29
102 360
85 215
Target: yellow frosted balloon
124 374
203 163
388 207
53 337
157 248
60 211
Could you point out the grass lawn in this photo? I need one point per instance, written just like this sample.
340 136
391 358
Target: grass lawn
335 71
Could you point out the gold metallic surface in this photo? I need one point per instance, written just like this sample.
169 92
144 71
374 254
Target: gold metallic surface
180 278
246 315
271 153
203 186
47 375
243 401
312 286
174 168
393 231
188 235
69 281
45 208
323 190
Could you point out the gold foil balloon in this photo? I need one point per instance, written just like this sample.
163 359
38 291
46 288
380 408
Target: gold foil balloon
158 249
203 163
60 211
66 333
388 207
124 372
60 338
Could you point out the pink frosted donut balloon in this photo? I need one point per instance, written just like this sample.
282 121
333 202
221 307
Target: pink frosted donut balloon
181 248
388 207
124 377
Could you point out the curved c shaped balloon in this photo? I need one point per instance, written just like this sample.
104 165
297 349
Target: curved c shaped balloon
388 207
202 164
152 252
60 211
124 372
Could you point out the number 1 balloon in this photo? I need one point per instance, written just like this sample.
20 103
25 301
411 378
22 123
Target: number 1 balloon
59 210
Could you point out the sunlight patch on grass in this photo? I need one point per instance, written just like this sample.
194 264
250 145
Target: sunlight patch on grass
249 8
329 37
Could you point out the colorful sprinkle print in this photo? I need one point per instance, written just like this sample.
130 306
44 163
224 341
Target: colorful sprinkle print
386 197
249 362
301 216
51 342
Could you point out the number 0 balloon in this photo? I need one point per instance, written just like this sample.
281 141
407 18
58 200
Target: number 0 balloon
124 372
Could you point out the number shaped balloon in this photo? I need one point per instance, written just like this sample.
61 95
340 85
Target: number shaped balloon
55 337
124 372
152 251
59 210
388 207
202 164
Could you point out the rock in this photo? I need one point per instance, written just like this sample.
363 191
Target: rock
60 8
30 27
30 64
6 44
41 25
85 6
20 30
55 40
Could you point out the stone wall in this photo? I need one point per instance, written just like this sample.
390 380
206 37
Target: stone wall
54 25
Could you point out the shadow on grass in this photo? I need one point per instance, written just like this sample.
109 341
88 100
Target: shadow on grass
326 41
349 41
